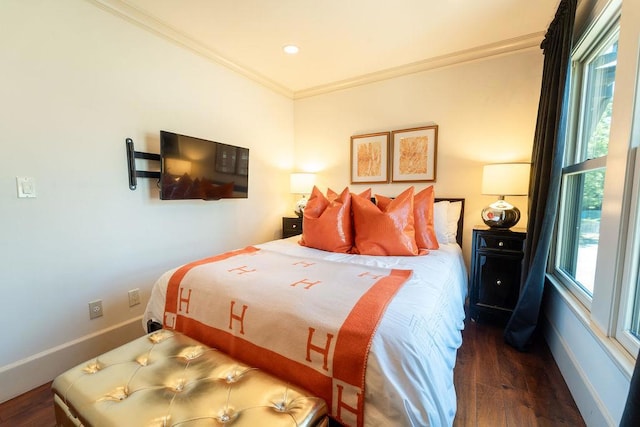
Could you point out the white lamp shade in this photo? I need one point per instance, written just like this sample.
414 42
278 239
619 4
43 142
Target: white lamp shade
506 179
302 183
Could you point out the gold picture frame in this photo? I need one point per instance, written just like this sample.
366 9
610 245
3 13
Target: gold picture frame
370 158
414 154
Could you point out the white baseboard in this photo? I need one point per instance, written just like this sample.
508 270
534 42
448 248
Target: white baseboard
32 372
590 405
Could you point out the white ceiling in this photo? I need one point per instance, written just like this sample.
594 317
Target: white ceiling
341 42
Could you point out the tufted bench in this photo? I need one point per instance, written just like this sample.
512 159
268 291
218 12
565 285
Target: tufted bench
168 379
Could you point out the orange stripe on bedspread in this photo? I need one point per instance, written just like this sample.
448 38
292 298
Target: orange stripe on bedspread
368 314
257 356
171 300
343 386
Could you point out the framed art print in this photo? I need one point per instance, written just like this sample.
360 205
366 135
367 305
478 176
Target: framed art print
413 154
370 158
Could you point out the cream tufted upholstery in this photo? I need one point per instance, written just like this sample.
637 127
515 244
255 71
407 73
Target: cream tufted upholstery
168 379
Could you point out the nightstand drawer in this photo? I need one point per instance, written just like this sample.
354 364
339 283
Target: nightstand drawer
499 242
500 278
291 227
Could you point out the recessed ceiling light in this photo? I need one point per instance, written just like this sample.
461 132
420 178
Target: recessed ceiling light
291 49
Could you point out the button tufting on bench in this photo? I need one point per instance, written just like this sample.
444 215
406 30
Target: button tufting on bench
119 393
167 378
92 368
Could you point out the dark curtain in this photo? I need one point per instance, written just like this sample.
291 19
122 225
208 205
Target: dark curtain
546 171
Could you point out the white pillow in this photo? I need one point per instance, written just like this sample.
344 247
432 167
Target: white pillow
453 215
445 220
440 220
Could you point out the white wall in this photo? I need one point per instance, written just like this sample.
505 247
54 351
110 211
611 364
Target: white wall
597 381
76 81
485 111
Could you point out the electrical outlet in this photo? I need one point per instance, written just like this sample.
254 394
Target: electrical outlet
95 309
134 297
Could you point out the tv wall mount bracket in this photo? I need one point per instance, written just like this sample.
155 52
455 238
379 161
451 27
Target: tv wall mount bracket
134 174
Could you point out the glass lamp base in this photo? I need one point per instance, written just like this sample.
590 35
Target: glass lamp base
500 215
300 205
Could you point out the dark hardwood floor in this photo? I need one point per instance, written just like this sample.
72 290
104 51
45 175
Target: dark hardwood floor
33 409
496 386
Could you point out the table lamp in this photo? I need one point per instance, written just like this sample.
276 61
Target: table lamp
504 179
302 183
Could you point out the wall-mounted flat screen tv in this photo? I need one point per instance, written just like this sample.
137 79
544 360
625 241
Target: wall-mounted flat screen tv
194 168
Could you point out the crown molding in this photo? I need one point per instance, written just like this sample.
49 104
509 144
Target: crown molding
139 18
477 53
146 22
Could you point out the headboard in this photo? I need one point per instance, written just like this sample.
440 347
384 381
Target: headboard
460 219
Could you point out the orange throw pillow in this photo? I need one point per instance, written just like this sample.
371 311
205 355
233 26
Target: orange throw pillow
366 194
326 223
385 232
422 217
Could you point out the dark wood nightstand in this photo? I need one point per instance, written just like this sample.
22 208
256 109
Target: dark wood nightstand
291 226
496 271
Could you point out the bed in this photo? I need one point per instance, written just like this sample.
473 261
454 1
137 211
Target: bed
408 378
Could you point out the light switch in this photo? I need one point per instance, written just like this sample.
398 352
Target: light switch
26 186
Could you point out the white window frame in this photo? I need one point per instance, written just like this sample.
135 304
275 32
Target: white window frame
589 46
631 273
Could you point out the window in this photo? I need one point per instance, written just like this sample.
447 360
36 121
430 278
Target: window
596 251
583 176
632 325
628 326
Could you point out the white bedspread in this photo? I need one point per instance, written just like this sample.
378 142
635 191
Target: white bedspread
409 379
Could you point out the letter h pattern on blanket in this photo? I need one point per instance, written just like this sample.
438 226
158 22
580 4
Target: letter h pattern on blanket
241 303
